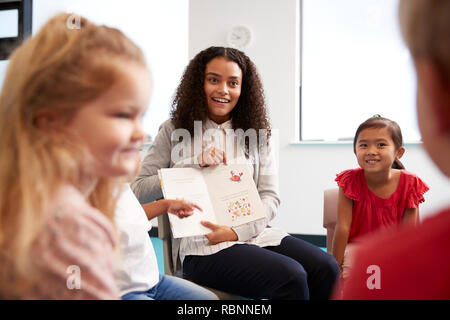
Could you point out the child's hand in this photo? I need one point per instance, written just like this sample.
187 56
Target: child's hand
181 208
212 157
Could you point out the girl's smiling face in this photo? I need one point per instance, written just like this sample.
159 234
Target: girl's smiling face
222 85
111 125
375 150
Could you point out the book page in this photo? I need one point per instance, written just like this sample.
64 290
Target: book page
188 184
233 194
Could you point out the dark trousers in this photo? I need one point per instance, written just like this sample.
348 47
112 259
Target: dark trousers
295 269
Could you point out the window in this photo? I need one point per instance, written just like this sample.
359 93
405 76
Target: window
15 25
9 26
354 65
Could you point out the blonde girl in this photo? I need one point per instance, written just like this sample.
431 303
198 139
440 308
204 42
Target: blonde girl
70 120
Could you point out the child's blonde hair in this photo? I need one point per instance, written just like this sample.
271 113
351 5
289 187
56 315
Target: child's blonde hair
52 75
425 26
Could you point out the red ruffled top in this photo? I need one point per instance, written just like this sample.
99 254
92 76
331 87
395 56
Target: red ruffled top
371 212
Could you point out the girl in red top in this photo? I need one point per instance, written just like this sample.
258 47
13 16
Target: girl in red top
379 194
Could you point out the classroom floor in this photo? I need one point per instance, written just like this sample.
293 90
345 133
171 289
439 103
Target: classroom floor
157 244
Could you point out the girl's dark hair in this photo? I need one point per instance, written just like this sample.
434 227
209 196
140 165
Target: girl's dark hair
189 103
394 129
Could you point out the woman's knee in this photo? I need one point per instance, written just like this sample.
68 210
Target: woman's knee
299 279
329 266
293 283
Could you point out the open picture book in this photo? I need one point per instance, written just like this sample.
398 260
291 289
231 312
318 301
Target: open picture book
226 193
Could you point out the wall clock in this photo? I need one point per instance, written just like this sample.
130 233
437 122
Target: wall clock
239 37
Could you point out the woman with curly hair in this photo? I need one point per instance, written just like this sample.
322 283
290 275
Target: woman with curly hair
221 93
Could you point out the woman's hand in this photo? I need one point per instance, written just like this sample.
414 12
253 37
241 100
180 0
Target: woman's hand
181 208
219 233
212 157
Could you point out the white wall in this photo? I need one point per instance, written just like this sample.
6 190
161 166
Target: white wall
305 170
159 28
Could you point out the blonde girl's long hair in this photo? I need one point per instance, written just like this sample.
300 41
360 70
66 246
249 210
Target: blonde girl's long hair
52 74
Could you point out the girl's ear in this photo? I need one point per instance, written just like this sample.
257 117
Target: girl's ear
46 120
400 152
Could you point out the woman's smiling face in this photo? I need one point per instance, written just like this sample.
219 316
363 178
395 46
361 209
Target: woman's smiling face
223 80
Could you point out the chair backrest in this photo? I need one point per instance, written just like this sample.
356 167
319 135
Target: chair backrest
330 206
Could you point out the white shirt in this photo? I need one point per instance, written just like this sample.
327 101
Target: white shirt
267 237
137 268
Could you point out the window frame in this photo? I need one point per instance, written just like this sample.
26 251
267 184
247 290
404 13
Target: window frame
299 139
24 7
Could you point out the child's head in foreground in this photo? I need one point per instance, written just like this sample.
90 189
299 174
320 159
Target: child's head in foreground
70 113
426 29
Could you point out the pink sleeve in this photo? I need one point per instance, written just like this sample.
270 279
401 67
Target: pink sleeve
75 257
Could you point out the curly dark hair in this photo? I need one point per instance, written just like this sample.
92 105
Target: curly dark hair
189 103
